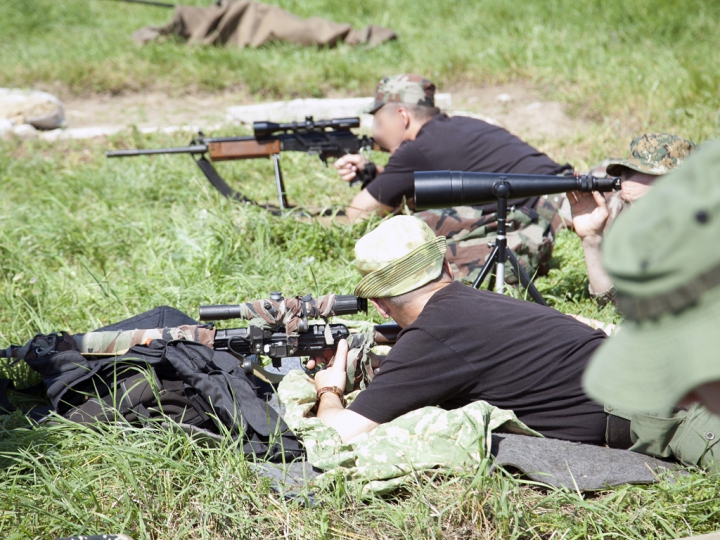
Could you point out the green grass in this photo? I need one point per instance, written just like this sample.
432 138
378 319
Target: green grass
86 241
649 62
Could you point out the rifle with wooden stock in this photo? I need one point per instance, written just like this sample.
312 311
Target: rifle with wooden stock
324 138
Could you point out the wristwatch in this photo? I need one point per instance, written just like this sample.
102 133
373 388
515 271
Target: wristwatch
334 389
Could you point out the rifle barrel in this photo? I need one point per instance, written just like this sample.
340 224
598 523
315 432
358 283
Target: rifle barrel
194 149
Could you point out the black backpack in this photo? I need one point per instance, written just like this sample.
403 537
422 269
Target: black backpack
182 381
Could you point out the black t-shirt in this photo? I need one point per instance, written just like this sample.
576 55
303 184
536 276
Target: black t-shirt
459 143
469 345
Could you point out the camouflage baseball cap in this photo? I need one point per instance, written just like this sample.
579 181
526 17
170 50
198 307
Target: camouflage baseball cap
405 88
666 271
653 153
402 254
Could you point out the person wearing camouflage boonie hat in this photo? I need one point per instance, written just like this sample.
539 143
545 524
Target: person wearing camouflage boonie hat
662 369
459 345
389 269
653 153
651 156
406 88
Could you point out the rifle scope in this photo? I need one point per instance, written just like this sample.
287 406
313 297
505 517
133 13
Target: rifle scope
444 189
266 129
345 304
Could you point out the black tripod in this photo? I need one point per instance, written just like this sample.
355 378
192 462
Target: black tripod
500 253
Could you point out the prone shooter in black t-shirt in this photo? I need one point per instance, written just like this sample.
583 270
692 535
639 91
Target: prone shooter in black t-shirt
459 345
421 138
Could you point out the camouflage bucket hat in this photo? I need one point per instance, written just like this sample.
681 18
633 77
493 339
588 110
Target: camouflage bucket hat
653 153
406 88
402 254
666 269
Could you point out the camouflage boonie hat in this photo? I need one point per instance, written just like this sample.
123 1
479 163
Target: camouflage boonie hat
402 254
405 88
666 272
653 153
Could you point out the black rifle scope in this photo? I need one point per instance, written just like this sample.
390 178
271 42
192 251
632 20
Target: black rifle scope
265 129
444 189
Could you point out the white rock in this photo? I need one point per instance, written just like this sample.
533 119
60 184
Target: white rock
443 101
80 133
39 109
320 109
24 131
5 128
488 119
504 98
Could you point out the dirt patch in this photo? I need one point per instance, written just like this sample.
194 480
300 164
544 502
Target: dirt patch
150 109
519 109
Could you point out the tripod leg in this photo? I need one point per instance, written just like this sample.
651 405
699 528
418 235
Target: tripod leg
525 279
485 269
500 278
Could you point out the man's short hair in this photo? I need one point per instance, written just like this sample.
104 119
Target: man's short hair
419 112
404 299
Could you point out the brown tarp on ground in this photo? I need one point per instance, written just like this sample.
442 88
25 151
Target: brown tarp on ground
242 24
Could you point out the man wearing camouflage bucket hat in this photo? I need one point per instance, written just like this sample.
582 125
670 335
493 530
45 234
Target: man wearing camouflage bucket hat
651 156
421 138
459 345
661 372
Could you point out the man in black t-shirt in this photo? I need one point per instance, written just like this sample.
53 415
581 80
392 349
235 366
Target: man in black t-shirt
459 345
421 138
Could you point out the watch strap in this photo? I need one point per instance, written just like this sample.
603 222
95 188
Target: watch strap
327 389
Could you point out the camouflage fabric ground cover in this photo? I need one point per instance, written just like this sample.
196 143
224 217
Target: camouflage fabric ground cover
426 439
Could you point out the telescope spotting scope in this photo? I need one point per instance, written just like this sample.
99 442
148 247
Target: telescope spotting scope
444 189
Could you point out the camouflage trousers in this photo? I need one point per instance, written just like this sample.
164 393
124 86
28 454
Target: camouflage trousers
470 235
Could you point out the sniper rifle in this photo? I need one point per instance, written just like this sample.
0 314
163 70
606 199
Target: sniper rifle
289 336
323 138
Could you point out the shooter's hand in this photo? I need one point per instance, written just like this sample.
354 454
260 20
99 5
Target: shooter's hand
335 374
348 166
589 213
316 361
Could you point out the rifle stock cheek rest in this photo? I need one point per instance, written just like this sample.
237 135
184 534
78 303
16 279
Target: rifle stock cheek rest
225 151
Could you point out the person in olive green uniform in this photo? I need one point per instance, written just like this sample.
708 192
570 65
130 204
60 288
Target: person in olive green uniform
662 369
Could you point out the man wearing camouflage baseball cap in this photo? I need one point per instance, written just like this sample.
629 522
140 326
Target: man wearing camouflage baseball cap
666 269
459 345
420 137
651 156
